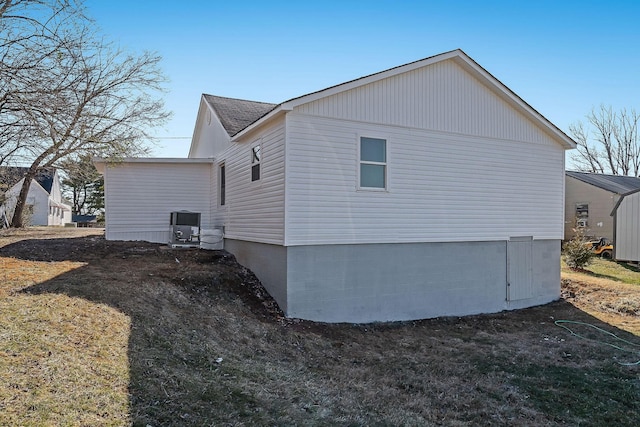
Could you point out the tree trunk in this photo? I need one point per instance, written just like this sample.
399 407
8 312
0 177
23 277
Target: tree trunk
21 202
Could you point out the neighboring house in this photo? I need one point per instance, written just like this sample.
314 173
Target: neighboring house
590 199
626 226
45 205
429 189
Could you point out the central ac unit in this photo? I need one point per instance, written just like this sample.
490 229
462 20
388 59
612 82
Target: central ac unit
184 229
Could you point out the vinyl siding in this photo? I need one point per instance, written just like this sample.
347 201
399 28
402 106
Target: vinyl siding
441 186
254 211
140 196
217 212
39 198
441 97
210 138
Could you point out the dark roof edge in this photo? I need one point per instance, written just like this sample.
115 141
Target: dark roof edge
579 175
622 196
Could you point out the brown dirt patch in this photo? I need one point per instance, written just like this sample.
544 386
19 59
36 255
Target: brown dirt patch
190 337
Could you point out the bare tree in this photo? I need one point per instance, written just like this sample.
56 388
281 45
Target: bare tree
31 31
83 96
608 143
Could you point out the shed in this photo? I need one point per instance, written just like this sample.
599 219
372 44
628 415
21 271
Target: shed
626 220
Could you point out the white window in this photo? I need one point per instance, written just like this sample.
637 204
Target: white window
256 157
373 163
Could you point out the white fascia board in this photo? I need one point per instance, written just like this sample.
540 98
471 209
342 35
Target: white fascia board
276 112
15 188
468 64
196 130
35 185
457 55
343 87
102 163
513 99
38 187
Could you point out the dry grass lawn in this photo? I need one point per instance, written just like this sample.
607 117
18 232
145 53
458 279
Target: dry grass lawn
99 333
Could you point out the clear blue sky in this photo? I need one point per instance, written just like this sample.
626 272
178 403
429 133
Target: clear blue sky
563 57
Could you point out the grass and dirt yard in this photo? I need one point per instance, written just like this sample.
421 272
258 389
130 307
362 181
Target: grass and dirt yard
96 333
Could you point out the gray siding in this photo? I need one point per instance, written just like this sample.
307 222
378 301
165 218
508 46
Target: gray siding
627 243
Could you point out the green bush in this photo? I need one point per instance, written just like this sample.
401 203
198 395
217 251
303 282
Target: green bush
577 252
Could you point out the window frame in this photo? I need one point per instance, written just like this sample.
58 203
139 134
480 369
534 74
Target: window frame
256 163
582 210
222 183
360 162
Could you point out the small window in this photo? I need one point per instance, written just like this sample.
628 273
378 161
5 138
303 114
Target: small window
256 156
373 163
582 210
223 184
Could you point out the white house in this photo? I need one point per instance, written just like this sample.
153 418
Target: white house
425 190
45 204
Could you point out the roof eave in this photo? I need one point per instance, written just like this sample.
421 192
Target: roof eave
196 130
102 163
513 99
278 111
466 62
622 196
352 84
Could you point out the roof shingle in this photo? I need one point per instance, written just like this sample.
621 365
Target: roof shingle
614 183
237 114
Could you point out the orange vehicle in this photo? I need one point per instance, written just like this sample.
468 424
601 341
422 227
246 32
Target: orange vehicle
603 248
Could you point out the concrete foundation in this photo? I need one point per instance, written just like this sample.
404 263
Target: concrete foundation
390 282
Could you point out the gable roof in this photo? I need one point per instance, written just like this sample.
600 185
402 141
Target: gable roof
10 175
242 123
617 184
237 114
